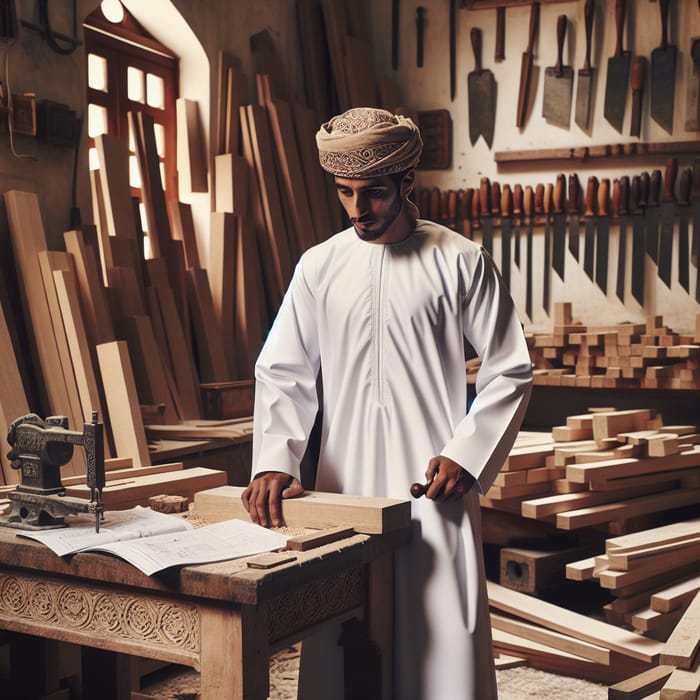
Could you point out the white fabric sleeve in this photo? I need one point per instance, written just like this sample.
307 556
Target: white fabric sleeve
484 437
286 399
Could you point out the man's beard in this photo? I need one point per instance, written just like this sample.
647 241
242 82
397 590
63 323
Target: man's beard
387 220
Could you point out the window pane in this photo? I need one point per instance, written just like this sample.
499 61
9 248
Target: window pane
97 72
134 173
93 159
155 92
134 78
162 174
97 120
159 131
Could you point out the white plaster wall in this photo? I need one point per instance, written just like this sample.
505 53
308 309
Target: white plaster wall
428 88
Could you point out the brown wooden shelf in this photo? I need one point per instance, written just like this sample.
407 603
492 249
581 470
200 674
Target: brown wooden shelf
584 153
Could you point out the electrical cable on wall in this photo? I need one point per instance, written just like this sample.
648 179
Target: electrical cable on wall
10 108
51 36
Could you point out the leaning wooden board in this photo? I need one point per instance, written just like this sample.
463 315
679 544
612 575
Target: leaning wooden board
372 516
575 624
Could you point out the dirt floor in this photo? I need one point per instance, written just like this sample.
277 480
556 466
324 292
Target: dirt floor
522 683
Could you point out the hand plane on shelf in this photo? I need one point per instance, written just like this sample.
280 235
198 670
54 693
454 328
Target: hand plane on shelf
39 449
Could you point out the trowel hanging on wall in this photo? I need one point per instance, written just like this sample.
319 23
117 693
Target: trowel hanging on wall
558 83
618 73
663 75
482 96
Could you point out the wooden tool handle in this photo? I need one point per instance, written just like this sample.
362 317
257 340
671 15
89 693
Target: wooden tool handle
500 51
624 204
424 202
444 204
517 200
574 194
644 185
485 196
495 199
615 198
434 212
684 182
561 34
670 179
465 204
534 24
695 187
452 199
506 201
476 209
547 200
529 202
635 187
620 7
638 73
604 197
539 199
654 187
663 9
591 190
558 195
475 35
588 15
418 490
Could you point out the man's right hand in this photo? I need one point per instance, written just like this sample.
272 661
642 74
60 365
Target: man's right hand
263 497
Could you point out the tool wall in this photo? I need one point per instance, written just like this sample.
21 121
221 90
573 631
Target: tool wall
599 96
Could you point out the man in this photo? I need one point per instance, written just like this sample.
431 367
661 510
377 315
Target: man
384 311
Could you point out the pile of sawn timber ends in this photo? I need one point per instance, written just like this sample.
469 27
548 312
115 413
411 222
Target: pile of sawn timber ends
622 487
626 355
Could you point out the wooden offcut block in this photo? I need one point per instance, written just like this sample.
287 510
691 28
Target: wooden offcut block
221 400
138 490
314 509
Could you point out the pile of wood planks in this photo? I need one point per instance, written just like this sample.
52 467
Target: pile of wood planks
626 355
616 487
601 469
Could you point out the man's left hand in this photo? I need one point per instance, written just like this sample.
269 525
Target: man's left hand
448 480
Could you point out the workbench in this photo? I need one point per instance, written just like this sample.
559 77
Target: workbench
223 619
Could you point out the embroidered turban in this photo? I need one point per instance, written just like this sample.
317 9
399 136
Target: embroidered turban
366 142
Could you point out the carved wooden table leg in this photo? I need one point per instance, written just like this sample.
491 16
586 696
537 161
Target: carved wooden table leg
235 654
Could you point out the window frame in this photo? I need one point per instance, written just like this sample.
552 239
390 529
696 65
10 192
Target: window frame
128 44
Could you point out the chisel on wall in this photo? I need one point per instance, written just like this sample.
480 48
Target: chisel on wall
668 211
602 235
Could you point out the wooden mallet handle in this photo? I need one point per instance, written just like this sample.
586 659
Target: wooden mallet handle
418 490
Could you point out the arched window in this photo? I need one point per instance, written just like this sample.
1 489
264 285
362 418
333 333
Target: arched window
129 70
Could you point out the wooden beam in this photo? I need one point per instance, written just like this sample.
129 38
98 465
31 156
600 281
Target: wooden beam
182 227
13 402
682 645
122 402
213 363
223 243
98 319
572 623
314 509
192 167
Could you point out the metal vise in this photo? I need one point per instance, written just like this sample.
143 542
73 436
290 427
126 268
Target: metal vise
39 449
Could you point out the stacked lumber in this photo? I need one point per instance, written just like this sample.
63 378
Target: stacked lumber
555 639
653 576
625 355
601 469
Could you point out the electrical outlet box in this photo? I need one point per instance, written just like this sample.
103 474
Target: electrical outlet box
57 124
24 114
